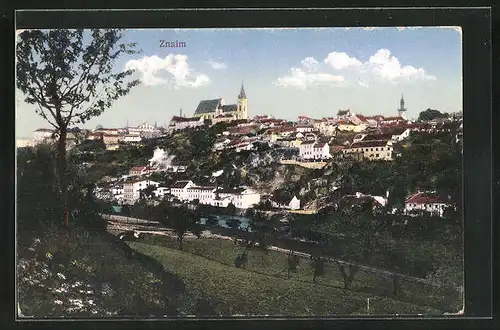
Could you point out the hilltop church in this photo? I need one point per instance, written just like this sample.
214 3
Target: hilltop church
217 110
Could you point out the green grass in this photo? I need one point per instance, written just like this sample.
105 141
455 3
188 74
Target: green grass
239 291
275 264
92 258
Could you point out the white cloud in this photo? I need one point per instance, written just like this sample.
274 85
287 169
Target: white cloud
387 67
302 79
217 65
362 83
382 66
309 63
341 60
155 71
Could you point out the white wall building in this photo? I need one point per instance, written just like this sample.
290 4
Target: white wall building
131 189
180 123
314 150
242 198
425 202
179 189
294 203
42 135
131 138
160 192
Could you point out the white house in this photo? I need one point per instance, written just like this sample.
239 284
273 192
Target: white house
117 190
180 189
379 199
132 189
425 202
180 123
242 197
294 203
160 192
204 194
131 138
221 144
42 135
314 150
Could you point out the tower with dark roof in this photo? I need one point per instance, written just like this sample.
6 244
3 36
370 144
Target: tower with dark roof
402 109
242 110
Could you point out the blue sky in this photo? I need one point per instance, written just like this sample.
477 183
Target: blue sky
286 73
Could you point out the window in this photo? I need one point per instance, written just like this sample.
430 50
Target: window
376 149
376 155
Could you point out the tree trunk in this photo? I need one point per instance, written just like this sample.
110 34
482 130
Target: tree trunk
180 242
348 275
61 168
395 285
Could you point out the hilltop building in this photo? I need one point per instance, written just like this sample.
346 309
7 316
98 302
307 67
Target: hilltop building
217 109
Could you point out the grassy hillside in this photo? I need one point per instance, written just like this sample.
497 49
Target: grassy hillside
275 264
87 274
234 291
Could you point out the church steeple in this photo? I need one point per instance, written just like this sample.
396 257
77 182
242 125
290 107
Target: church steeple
242 94
242 106
402 108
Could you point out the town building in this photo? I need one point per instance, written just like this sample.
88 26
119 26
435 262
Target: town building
370 150
425 202
210 195
179 189
181 123
209 109
42 135
132 189
312 150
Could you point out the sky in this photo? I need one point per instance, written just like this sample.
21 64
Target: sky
286 73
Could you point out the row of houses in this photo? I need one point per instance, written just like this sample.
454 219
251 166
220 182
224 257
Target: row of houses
186 191
414 205
111 137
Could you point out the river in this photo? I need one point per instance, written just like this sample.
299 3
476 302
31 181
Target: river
245 222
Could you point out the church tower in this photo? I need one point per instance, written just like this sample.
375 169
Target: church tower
242 111
402 109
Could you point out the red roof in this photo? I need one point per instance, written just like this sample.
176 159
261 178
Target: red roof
361 117
319 145
393 118
336 148
368 144
138 168
423 198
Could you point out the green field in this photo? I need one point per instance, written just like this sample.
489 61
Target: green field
275 264
262 288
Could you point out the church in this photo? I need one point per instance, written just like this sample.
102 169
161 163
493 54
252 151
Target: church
217 110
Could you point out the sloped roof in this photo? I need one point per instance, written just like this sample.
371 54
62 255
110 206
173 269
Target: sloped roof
48 130
373 137
208 188
343 112
180 184
229 108
183 119
368 144
424 198
207 106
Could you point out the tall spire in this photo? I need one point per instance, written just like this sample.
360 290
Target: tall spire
242 94
402 108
